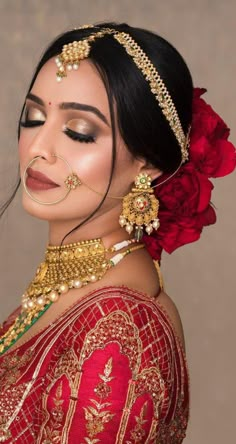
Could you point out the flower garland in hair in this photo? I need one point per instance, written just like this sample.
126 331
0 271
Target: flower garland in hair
185 200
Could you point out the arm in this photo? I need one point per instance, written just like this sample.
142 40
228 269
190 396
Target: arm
106 385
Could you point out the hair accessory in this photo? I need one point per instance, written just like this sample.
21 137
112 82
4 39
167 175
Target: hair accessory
140 208
74 52
186 201
64 268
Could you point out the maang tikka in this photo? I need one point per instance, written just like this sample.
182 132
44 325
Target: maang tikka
140 208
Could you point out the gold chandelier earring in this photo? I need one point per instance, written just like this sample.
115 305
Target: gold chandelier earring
140 208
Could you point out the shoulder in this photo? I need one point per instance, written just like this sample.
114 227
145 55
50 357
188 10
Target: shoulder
121 314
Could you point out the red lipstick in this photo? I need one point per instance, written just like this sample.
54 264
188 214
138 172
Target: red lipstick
38 181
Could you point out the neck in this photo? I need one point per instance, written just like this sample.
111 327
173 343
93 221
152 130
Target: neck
103 227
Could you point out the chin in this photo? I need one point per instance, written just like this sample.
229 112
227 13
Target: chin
37 210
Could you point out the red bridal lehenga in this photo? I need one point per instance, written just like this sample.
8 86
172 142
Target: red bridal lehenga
109 370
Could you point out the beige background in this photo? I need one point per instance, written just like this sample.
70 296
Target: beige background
199 277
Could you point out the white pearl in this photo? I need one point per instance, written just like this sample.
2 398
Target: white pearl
122 221
53 296
75 66
25 305
59 78
30 304
129 228
64 288
69 67
93 278
77 284
40 300
57 60
149 229
61 69
156 224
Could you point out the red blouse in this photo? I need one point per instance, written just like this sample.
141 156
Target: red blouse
109 370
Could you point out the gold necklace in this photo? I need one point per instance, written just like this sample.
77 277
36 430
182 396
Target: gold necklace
66 267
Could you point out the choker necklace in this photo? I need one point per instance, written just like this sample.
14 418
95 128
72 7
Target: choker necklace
66 267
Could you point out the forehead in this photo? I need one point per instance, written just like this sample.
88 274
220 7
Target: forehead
84 86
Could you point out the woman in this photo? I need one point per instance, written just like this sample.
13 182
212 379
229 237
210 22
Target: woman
113 158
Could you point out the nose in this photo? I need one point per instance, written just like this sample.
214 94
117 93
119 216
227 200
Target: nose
42 144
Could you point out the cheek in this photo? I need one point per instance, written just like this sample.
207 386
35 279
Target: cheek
92 162
22 150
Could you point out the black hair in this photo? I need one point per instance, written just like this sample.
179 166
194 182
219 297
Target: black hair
140 121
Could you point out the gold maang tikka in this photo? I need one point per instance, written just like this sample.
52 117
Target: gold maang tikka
140 208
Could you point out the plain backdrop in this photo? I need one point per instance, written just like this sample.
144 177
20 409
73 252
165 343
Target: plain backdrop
199 277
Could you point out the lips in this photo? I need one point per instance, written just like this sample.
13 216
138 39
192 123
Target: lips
38 181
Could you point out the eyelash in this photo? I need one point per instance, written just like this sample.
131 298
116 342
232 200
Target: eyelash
78 137
31 123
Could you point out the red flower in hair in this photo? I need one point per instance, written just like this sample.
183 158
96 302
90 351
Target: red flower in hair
210 151
184 210
185 206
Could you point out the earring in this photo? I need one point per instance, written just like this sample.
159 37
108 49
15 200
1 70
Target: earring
140 207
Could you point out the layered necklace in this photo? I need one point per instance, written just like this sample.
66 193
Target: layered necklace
64 268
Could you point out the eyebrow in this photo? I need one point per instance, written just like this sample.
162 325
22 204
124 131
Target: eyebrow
72 105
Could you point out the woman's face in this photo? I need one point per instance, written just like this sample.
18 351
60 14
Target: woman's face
71 120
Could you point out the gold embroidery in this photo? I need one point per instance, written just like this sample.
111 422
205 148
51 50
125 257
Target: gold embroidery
52 434
115 327
67 365
96 417
8 401
175 431
150 381
10 368
138 433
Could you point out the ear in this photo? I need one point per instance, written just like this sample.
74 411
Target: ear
149 169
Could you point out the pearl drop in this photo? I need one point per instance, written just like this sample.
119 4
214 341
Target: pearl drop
59 78
61 69
64 288
69 67
129 228
156 224
53 296
57 60
77 284
75 66
149 229
122 221
93 278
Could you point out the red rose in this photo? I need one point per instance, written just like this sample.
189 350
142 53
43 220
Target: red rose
210 151
185 199
185 194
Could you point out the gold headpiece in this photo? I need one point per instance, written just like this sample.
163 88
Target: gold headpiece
76 51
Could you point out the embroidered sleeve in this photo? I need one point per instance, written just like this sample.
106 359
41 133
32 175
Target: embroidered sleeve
114 379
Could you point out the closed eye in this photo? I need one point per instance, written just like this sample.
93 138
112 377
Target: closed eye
31 123
79 137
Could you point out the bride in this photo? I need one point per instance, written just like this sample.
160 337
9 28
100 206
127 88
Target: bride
114 149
